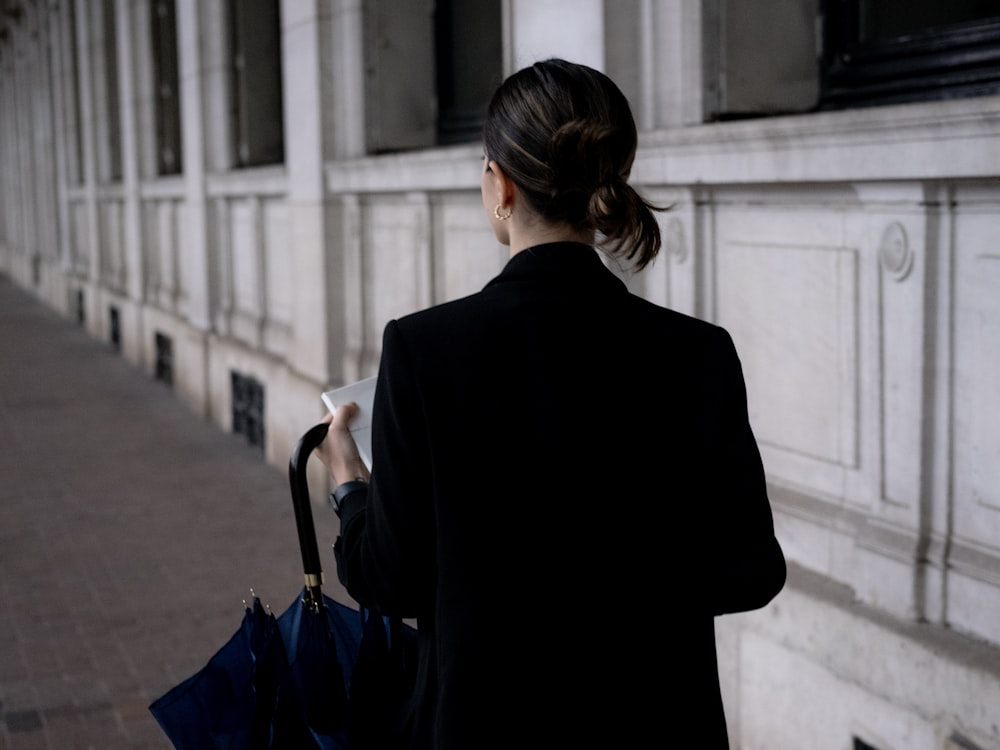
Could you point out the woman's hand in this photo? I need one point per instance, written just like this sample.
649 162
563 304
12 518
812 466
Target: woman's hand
338 451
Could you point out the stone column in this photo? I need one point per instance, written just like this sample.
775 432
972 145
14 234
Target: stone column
44 199
6 126
344 66
307 37
680 58
20 185
195 299
892 544
132 44
531 38
61 83
88 126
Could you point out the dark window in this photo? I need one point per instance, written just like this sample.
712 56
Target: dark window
430 68
860 744
256 67
81 308
110 22
164 369
114 323
248 408
74 164
469 65
882 53
168 104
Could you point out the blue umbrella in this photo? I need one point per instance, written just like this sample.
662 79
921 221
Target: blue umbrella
322 638
375 655
353 672
241 699
322 676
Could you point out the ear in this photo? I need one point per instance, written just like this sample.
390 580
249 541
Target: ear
505 187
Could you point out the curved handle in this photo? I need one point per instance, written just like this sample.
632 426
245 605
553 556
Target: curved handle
303 511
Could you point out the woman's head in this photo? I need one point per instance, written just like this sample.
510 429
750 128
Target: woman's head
564 134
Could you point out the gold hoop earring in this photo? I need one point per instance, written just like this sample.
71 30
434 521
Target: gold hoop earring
500 216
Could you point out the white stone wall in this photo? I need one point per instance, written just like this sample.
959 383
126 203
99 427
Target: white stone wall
816 669
852 255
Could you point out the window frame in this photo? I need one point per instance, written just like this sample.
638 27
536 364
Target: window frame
256 85
944 62
461 110
111 168
166 82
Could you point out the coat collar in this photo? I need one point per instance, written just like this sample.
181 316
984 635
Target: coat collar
562 263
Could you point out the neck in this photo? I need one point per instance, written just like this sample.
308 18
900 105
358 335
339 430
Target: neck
523 237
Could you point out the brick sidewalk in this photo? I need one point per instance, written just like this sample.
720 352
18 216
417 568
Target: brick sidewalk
130 532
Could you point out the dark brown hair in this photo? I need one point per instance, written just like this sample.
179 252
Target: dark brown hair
564 133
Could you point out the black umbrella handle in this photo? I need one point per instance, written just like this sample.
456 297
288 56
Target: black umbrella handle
303 512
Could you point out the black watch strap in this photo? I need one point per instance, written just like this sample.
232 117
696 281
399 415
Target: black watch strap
343 490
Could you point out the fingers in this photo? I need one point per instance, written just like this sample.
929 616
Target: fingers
338 451
344 415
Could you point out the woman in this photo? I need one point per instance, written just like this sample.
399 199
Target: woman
565 488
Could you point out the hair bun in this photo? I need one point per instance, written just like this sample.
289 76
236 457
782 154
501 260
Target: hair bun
579 156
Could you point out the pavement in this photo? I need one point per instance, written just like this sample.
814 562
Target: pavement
131 532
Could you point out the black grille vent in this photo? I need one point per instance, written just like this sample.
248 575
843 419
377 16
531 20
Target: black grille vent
115 325
164 369
248 408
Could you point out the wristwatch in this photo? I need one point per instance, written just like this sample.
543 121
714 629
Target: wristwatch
343 490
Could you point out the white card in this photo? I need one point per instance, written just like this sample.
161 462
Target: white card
363 394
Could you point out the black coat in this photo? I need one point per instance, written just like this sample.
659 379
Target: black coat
565 492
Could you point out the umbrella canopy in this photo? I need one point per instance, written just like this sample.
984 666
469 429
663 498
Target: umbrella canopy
322 676
244 697
353 671
322 641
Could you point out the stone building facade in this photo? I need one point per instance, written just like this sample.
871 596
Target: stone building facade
238 195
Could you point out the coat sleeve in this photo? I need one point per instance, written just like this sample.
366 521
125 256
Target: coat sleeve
748 566
385 550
